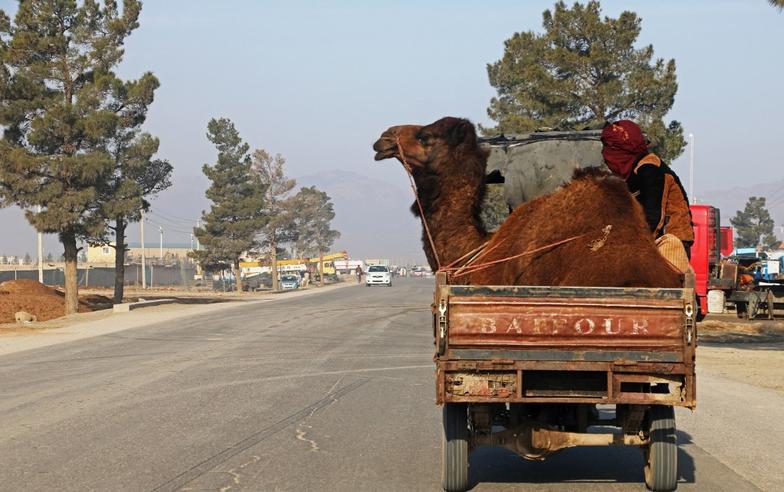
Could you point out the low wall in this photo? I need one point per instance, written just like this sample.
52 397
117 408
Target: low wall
104 277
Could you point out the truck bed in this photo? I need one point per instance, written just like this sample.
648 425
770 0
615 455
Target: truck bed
564 344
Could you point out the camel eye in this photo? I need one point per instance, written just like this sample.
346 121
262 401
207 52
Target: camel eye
422 139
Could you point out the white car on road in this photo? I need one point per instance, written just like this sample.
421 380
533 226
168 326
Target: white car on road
378 275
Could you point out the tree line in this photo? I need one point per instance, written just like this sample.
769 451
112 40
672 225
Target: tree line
254 211
73 154
74 157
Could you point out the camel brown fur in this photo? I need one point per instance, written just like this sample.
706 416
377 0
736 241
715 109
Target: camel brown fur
448 167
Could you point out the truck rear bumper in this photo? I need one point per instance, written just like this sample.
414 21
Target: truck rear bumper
622 381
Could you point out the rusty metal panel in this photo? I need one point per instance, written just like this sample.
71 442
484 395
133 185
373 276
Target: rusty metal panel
485 384
615 356
477 321
489 338
568 292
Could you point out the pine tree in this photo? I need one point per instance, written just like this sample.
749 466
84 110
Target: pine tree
136 177
582 72
57 112
753 225
277 204
237 194
313 214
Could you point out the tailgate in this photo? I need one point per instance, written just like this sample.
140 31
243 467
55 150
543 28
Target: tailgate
564 323
526 342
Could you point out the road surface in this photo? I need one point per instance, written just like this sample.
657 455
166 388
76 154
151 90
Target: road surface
330 392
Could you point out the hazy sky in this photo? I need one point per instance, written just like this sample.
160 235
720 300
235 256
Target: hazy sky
319 81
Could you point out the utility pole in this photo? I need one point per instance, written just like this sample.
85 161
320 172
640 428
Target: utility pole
40 253
160 250
692 198
198 226
144 268
191 241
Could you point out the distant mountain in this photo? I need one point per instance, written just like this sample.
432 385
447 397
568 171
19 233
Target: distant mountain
733 199
374 219
373 216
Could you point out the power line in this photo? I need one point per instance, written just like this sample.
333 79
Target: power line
173 225
168 228
175 217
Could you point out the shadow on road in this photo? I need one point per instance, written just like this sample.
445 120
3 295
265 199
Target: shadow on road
623 464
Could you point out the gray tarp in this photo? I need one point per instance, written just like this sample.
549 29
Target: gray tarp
537 163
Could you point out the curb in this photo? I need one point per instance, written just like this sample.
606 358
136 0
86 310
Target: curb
129 306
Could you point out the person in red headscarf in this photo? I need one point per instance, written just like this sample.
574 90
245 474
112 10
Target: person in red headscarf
655 185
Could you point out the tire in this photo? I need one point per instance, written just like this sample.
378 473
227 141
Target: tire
661 463
454 447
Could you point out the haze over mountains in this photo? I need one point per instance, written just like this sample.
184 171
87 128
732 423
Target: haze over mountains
374 219
734 199
372 215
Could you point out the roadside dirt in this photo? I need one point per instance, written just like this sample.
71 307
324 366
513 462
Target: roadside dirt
747 351
41 301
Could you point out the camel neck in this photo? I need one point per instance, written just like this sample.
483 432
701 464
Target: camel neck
452 213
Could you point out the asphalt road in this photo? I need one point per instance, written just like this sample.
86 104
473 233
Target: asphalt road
330 392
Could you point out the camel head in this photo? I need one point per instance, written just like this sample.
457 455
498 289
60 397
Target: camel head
435 148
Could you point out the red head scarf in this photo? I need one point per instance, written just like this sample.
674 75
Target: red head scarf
623 143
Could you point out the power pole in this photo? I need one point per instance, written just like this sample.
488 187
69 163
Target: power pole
40 253
198 226
144 268
160 250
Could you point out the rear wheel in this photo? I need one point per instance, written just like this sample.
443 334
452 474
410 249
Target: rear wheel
661 463
454 447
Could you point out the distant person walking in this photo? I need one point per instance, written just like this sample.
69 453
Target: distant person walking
358 272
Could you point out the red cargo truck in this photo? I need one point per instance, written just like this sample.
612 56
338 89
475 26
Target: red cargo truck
711 243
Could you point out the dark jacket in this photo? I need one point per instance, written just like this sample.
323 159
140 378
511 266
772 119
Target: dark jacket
662 197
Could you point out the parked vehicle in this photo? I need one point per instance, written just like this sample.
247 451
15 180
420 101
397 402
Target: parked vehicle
710 240
257 281
289 282
759 288
378 275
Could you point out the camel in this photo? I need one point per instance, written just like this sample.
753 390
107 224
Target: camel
591 232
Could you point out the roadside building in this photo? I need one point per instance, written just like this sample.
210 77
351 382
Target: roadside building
170 253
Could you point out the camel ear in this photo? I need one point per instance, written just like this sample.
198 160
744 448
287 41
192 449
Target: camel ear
460 132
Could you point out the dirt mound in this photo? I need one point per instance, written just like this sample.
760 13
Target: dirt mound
44 302
25 287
